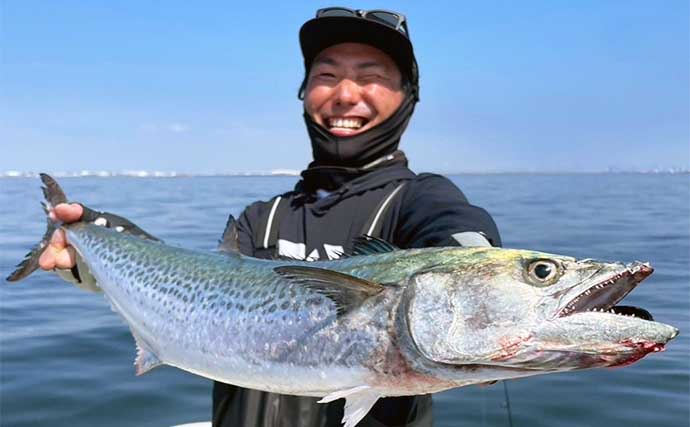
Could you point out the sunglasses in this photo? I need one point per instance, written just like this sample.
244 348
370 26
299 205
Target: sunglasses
391 19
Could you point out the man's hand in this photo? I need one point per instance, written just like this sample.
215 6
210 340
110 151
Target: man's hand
59 253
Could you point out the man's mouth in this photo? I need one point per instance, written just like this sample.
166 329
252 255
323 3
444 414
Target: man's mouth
603 296
346 125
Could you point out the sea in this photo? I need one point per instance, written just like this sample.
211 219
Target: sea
66 358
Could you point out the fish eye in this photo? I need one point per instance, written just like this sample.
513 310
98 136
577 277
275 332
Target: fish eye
543 272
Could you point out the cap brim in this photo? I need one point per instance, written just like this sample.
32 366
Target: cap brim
320 33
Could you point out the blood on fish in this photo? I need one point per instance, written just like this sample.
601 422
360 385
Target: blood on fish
643 349
509 347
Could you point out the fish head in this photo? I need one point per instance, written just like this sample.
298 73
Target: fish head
529 310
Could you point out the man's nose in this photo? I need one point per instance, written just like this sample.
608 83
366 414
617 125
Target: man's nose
347 92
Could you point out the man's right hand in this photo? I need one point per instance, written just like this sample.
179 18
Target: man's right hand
59 253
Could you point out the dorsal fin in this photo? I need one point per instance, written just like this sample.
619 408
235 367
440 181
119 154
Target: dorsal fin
346 291
369 245
230 241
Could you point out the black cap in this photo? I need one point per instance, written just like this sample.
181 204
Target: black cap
322 32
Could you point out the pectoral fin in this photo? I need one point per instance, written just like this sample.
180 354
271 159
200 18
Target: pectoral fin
358 402
346 291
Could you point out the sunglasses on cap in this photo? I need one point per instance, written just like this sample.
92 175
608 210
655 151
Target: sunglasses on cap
390 19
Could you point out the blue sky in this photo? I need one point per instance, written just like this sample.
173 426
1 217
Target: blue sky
211 86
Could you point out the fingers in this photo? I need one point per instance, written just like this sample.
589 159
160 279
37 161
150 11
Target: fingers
47 259
66 258
58 254
59 240
67 212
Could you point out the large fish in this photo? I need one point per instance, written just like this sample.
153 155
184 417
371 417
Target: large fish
380 322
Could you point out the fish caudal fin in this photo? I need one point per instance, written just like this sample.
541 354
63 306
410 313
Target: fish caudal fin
358 402
52 191
53 195
30 262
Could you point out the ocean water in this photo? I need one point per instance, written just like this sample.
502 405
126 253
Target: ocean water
66 358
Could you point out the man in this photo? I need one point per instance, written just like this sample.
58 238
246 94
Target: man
359 92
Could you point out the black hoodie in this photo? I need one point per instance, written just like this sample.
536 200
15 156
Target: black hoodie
355 185
426 210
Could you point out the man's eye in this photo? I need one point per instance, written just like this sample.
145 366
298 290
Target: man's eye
326 75
372 77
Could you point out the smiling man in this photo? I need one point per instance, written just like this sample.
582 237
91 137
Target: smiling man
351 88
360 88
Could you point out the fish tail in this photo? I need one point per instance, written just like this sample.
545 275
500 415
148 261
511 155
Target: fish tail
53 195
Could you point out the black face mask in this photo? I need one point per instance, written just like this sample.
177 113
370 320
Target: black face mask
361 149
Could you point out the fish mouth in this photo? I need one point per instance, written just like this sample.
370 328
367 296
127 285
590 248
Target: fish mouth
603 295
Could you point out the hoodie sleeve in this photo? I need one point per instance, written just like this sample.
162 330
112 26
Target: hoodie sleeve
434 212
245 228
251 226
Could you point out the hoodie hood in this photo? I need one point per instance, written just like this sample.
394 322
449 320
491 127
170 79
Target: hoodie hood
358 150
348 182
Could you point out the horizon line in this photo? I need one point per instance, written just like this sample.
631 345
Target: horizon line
296 173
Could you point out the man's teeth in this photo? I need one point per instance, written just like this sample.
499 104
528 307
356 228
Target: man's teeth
352 123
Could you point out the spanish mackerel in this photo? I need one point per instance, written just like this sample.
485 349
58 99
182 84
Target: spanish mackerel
378 322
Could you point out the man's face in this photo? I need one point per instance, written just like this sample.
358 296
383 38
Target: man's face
351 88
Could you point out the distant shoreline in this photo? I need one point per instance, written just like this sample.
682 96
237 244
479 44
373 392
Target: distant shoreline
295 173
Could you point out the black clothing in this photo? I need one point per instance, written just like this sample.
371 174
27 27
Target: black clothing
332 178
361 149
429 210
420 210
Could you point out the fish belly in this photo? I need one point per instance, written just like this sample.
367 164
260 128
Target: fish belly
204 314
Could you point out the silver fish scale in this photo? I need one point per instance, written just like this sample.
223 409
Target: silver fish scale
215 314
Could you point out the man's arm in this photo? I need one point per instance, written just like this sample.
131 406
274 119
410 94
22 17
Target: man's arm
434 212
246 223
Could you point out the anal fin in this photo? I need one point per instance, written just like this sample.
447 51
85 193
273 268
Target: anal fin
358 402
146 359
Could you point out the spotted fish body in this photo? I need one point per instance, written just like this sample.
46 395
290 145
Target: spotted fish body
390 323
231 318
